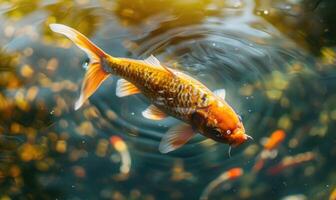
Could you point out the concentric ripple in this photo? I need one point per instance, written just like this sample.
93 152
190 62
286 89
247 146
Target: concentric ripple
239 53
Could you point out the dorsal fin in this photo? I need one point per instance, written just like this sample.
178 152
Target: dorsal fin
220 93
153 61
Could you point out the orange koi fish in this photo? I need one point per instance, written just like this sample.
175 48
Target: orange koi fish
171 92
234 173
271 144
230 175
119 144
274 140
291 161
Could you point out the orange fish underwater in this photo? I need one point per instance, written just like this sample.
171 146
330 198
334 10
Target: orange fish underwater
274 140
171 92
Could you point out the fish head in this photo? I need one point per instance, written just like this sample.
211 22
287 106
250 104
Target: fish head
222 124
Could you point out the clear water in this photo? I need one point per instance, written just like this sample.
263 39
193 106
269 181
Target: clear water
276 59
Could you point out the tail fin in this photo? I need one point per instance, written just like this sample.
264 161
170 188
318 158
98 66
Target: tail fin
95 74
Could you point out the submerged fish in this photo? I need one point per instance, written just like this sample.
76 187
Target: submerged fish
274 140
291 161
269 150
171 92
230 175
119 144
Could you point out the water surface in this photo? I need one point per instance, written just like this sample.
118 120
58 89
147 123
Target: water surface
276 60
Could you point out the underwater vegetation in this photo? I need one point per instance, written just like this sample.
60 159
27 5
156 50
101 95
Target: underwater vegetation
276 60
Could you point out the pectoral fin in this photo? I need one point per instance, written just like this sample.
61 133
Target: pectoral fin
154 113
125 88
176 137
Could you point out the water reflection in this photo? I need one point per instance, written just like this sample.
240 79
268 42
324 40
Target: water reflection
308 22
50 151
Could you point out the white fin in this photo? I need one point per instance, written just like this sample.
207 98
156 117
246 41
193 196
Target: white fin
176 137
220 93
125 88
154 113
153 61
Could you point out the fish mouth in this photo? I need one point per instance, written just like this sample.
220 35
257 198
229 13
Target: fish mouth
239 137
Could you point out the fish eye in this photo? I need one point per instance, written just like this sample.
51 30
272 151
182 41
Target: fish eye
216 132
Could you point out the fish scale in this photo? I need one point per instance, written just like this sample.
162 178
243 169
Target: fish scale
182 89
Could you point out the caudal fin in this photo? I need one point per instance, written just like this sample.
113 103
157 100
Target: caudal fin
95 74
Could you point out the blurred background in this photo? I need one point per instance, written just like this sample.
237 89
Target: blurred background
275 58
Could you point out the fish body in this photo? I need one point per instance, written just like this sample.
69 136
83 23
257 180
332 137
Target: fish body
230 175
274 140
270 148
291 161
175 93
171 92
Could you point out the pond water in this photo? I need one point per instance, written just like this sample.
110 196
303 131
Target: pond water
276 60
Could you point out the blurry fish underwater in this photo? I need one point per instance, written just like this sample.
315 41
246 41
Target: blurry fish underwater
170 91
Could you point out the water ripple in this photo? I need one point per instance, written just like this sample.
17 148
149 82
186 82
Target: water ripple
229 52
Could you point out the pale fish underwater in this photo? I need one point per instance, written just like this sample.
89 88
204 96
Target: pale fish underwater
171 92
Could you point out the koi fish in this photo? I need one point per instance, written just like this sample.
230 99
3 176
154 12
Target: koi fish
276 138
230 175
119 144
171 92
291 161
